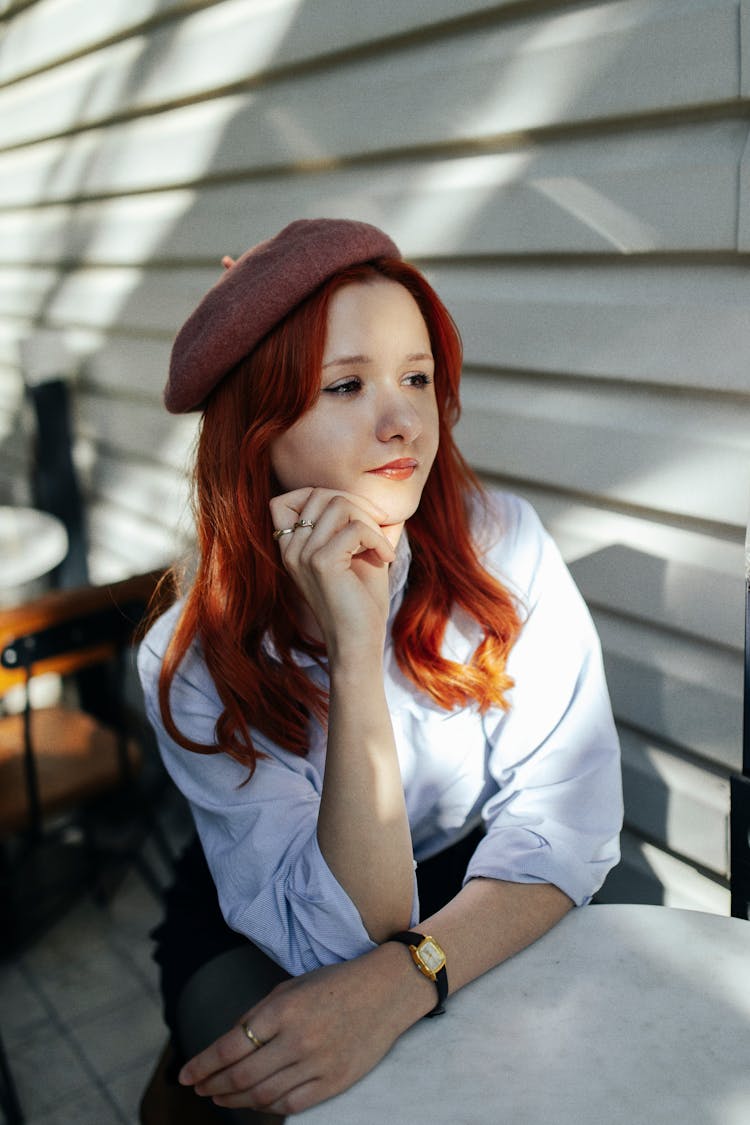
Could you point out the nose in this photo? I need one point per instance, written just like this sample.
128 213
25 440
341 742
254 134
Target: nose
397 419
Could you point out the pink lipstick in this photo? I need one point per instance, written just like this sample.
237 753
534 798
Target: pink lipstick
400 469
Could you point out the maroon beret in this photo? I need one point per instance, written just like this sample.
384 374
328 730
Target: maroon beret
256 293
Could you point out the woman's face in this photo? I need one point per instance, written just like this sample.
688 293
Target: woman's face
373 430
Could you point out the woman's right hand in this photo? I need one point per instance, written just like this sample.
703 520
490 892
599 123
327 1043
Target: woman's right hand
339 561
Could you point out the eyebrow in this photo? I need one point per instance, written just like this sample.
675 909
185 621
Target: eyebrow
347 360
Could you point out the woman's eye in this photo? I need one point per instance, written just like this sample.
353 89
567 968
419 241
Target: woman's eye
348 387
418 379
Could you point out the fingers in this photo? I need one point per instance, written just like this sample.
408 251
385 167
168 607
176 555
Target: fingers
291 1099
334 540
241 1085
235 1072
250 1034
258 1081
312 520
224 1052
288 508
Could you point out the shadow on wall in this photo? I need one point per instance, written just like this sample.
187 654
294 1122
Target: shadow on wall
133 265
677 697
307 141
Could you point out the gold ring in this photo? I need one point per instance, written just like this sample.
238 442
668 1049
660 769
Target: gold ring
284 531
303 523
249 1033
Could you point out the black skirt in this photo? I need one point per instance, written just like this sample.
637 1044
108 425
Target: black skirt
194 931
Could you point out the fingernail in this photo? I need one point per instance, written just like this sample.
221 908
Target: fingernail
184 1076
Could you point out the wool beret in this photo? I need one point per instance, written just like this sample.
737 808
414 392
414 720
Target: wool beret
255 293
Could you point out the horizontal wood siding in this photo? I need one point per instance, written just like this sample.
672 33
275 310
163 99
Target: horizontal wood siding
574 180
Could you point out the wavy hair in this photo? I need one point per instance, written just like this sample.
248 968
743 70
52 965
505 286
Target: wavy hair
242 607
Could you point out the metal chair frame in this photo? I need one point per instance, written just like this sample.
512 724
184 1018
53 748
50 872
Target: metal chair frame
739 822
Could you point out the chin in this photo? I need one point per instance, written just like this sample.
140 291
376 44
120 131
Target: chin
399 499
400 513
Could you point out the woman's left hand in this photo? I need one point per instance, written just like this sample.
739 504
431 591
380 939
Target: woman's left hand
320 1033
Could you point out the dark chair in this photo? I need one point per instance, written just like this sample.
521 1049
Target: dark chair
54 481
59 763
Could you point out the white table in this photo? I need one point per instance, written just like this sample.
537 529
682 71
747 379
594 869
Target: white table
32 543
621 1015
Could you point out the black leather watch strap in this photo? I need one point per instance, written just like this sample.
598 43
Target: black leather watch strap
430 960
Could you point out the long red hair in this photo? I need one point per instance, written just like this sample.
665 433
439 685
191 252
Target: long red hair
242 605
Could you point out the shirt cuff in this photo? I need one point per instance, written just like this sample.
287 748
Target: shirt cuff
520 855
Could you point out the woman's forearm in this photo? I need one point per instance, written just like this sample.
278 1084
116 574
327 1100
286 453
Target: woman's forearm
485 924
363 828
489 920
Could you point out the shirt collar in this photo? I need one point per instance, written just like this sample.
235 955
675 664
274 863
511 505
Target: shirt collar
399 570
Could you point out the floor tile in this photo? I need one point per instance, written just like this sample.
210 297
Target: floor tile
81 926
84 977
90 1106
134 909
80 1009
47 1070
21 1010
139 956
121 1038
127 1089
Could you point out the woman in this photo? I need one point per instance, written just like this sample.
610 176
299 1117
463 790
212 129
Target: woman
377 668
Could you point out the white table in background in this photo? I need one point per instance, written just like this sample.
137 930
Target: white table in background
32 543
621 1015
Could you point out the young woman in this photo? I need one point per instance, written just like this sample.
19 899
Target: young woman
382 694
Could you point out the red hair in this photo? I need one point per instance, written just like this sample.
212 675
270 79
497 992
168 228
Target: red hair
242 605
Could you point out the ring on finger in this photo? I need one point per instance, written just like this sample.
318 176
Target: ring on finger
284 531
303 523
251 1035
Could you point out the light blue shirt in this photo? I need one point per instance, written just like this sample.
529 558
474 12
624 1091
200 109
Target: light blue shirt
544 777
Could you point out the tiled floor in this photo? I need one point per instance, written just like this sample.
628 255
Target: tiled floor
80 1012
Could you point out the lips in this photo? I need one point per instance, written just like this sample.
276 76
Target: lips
400 469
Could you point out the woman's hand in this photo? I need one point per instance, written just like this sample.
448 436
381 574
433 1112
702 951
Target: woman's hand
320 1033
338 557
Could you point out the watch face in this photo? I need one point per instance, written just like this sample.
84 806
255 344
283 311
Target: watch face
431 955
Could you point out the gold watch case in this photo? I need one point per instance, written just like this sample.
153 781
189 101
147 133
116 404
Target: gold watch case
428 957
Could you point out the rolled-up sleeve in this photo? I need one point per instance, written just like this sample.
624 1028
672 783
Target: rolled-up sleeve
557 814
259 836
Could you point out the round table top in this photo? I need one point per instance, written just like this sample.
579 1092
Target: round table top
31 544
620 1015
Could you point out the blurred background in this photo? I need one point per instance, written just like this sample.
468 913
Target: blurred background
572 177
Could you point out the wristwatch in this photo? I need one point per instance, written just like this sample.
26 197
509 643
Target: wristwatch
430 960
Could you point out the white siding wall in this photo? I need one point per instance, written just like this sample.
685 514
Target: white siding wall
574 178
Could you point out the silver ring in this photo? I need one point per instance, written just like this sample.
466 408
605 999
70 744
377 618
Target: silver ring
303 523
249 1033
284 531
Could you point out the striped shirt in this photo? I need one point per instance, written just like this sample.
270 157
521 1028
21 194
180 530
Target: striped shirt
543 777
